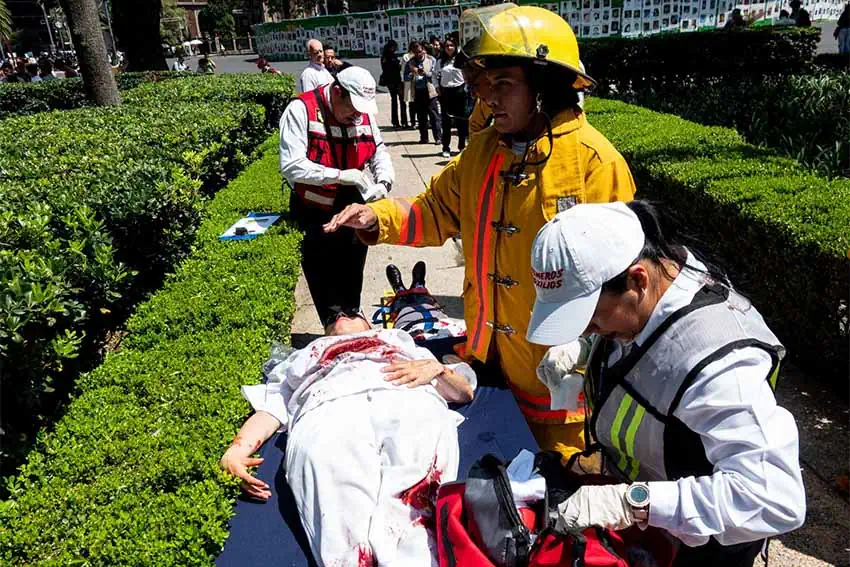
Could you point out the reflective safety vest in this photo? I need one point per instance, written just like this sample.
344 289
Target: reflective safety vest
332 144
634 400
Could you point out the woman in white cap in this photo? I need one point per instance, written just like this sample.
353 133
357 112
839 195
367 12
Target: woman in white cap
679 372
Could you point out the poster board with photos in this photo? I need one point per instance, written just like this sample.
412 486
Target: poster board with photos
364 34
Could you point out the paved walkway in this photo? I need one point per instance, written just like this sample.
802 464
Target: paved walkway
821 416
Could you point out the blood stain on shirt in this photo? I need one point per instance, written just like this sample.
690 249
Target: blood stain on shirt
423 494
365 556
360 345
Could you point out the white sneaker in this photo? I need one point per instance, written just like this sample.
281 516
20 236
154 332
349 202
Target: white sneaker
446 154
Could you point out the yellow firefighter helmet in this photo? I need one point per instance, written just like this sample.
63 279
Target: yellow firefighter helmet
508 30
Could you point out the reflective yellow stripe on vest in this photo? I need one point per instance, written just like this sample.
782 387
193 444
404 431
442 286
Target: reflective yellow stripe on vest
627 464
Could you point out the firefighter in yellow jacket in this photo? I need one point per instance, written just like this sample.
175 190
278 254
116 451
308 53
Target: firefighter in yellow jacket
540 157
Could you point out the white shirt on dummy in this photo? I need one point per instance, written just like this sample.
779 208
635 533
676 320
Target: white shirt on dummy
295 166
330 368
314 76
756 489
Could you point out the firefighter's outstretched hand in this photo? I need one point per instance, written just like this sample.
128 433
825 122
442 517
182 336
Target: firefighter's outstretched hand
356 216
604 506
412 373
236 463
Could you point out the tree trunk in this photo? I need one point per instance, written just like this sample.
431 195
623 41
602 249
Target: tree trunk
136 24
88 42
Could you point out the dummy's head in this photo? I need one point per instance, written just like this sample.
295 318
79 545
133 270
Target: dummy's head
346 323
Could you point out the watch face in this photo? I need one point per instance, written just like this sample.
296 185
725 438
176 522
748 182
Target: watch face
639 495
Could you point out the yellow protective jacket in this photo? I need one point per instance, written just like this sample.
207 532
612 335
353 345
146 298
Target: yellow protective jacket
498 221
480 118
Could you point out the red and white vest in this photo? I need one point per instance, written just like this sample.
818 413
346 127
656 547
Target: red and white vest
332 144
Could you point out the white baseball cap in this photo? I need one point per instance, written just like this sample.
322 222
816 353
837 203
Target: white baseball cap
360 84
573 255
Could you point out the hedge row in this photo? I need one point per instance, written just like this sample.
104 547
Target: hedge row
766 83
271 91
18 99
129 476
783 232
96 204
802 116
623 64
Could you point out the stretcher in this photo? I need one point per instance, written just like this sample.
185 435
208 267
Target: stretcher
270 533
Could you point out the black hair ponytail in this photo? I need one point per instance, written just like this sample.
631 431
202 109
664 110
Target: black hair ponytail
665 241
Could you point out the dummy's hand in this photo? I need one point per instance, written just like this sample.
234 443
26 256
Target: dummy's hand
353 177
356 216
235 462
603 506
412 372
557 371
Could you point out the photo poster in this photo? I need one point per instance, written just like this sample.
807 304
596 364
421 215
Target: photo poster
364 34
588 18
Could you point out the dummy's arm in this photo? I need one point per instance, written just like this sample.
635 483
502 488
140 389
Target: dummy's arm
237 458
450 384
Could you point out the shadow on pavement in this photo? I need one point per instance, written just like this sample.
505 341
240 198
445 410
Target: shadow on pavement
452 305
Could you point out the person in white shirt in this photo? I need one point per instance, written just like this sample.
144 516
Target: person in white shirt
370 439
680 375
329 138
314 75
179 64
451 87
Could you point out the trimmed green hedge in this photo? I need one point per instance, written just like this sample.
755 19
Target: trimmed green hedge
782 232
766 83
271 91
620 65
129 476
96 204
65 94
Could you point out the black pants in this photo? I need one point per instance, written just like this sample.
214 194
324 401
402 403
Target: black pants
453 106
397 100
712 554
426 108
333 263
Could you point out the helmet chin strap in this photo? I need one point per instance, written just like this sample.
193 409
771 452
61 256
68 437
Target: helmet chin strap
516 173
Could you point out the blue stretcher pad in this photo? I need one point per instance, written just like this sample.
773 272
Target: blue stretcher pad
270 533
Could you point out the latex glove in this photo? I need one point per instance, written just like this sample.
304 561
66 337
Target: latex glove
354 177
373 192
604 506
557 371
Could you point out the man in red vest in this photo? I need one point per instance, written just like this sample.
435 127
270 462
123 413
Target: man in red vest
329 137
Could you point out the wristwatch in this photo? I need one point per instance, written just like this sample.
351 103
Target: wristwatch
637 495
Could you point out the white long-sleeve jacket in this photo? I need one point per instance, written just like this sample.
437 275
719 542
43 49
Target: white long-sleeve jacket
756 489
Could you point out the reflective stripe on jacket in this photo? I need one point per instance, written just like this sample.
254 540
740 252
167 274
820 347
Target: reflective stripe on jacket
332 144
498 220
634 400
